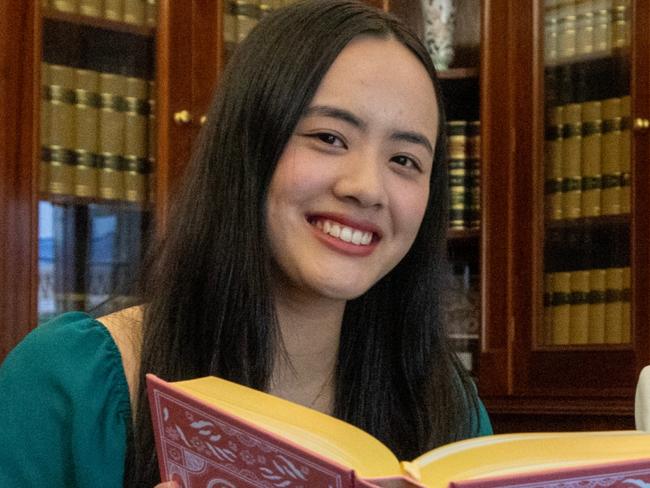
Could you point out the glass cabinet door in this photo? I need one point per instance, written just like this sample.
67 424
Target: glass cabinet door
587 168
97 151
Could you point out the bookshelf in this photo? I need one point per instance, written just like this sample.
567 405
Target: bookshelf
501 76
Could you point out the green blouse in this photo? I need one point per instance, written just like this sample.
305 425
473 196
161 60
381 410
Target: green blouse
65 408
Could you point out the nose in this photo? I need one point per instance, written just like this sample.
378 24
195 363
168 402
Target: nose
361 180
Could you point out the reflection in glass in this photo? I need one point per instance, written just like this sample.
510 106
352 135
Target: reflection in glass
88 256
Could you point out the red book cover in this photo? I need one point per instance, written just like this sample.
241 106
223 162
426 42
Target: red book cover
611 475
200 446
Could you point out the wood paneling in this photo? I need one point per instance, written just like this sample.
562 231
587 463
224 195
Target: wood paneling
18 149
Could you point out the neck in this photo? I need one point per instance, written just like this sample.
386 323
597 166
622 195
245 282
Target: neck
306 360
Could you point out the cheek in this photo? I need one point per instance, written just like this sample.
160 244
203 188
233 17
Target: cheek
410 211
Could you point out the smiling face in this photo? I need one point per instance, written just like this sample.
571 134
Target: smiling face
350 190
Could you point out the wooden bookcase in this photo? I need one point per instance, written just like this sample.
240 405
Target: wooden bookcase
525 385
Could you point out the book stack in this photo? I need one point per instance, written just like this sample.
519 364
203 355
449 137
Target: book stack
575 29
464 141
95 130
590 306
587 159
136 12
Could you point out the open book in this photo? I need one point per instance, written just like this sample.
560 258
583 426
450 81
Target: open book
214 433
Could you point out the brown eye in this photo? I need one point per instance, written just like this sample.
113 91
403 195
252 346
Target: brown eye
405 161
329 139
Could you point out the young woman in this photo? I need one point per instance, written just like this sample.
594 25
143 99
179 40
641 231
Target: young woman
304 258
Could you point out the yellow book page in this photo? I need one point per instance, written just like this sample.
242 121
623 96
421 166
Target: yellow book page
506 454
313 430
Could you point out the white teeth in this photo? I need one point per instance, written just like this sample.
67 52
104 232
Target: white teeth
346 234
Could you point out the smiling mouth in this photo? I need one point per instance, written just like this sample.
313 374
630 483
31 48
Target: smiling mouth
343 232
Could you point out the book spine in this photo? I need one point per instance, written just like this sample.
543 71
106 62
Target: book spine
553 164
114 10
620 24
91 8
68 6
61 130
86 130
585 27
611 157
626 154
579 307
571 159
230 22
111 135
474 174
151 13
44 128
151 138
591 148
614 306
561 307
135 11
567 29
602 26
597 280
247 16
550 31
457 168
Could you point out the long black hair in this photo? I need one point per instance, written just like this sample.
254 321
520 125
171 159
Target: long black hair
208 300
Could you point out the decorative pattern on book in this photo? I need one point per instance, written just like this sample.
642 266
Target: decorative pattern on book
201 450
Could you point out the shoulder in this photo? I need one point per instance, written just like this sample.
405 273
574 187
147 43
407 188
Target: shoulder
125 327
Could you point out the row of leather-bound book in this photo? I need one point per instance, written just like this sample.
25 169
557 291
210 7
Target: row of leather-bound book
587 159
587 307
97 134
578 28
136 12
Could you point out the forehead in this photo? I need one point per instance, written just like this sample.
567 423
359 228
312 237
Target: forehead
380 76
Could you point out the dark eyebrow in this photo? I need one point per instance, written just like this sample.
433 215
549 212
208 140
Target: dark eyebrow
350 118
337 113
413 138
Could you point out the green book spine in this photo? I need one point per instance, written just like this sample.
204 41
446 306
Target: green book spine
620 24
151 13
111 177
61 129
550 31
584 27
457 168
